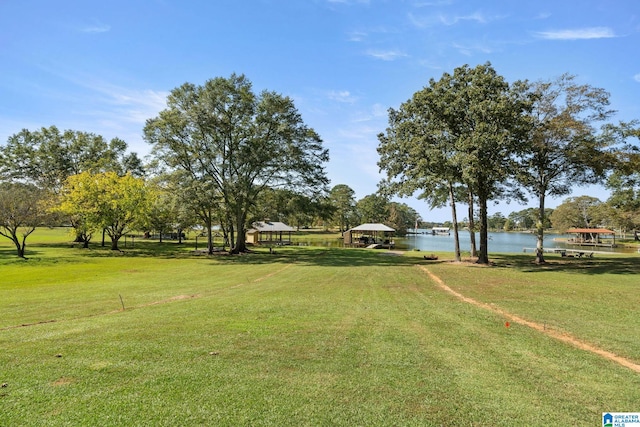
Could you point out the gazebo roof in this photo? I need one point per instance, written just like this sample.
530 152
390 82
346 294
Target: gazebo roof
591 230
275 226
372 227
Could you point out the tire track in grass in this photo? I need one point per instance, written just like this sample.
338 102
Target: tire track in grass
560 336
148 304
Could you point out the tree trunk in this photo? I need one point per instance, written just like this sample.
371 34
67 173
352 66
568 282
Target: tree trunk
540 232
209 237
483 256
114 242
472 226
241 243
454 218
19 247
179 236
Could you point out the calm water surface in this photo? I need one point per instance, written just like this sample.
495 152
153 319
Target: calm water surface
498 242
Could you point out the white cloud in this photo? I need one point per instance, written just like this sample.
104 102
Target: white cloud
578 34
386 55
376 113
543 15
469 49
341 96
379 110
477 16
637 77
448 20
98 28
357 36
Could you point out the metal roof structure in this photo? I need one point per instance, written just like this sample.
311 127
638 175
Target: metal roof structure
372 227
271 226
591 231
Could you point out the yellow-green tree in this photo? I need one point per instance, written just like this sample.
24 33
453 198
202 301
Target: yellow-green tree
106 201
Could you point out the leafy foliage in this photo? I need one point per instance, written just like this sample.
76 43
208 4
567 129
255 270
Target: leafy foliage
462 130
46 157
238 143
564 148
106 201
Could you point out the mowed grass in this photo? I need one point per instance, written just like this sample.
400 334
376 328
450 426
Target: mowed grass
308 336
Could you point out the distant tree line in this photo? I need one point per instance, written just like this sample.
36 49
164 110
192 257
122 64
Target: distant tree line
225 156
222 156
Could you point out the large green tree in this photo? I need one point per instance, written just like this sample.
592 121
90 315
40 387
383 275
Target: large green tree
624 201
580 212
46 157
343 199
565 149
624 182
225 136
418 154
401 217
21 211
293 208
373 208
462 130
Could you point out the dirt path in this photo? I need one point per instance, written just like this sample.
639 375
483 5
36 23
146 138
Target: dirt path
561 336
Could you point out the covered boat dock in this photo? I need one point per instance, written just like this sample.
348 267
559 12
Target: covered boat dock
270 233
601 237
372 236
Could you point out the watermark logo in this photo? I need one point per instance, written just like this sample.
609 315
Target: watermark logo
621 419
607 420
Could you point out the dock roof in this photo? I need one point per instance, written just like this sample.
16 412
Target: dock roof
372 227
591 230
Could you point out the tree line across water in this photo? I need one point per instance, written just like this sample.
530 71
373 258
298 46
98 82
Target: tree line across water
222 155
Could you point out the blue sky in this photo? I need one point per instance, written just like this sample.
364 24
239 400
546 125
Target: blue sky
107 66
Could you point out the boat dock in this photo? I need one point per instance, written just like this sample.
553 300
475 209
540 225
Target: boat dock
577 253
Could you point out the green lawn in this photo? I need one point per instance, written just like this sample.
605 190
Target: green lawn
307 336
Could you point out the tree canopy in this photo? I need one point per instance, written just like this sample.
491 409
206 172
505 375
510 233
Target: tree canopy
106 201
21 211
239 143
564 147
46 157
464 129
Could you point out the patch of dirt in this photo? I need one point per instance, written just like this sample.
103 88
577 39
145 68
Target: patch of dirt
24 325
559 335
62 381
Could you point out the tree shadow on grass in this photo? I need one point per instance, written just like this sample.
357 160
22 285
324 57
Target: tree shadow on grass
328 256
609 264
9 255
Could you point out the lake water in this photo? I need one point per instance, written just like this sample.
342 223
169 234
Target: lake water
498 242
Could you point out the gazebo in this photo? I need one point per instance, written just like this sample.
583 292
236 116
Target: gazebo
592 237
270 233
369 235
